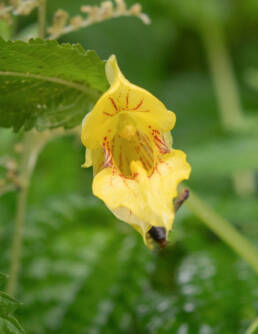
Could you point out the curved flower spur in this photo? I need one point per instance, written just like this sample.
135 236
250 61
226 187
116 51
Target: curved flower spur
136 170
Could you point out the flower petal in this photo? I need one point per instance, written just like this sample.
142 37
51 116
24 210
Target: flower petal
124 98
148 199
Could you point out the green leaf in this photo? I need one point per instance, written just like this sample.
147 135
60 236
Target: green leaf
44 84
91 274
7 304
8 323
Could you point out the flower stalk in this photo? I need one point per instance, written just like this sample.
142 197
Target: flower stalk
252 328
41 18
29 158
226 89
222 228
107 10
32 144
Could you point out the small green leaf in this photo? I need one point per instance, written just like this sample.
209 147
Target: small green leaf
7 304
44 84
8 323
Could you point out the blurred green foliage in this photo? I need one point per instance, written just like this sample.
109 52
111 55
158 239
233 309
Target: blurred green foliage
85 272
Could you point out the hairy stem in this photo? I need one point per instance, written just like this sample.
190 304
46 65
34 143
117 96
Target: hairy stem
33 144
227 93
31 148
42 18
223 229
253 327
223 77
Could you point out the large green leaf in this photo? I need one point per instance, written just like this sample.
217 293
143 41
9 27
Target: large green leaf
44 84
90 274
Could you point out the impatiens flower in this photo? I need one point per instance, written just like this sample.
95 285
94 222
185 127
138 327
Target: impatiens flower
128 141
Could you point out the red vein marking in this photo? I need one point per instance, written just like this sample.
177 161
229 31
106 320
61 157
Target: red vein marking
152 172
108 161
120 160
108 114
162 149
146 140
113 102
146 151
143 163
138 106
124 179
135 175
160 141
128 164
147 162
157 170
127 100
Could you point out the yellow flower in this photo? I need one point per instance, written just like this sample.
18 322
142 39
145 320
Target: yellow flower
128 141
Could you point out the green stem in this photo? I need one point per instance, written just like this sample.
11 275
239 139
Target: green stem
223 76
253 327
32 144
31 149
223 229
42 18
227 93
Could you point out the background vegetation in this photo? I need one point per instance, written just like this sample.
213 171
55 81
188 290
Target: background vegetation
82 271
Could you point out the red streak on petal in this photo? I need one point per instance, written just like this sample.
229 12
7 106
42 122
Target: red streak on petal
143 163
146 151
138 106
108 114
163 149
120 160
108 162
113 103
146 141
159 140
